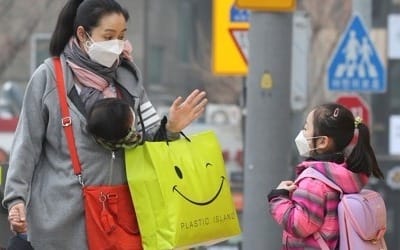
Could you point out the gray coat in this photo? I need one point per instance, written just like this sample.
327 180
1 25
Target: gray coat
41 173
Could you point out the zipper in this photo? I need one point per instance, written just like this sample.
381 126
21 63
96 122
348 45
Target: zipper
110 172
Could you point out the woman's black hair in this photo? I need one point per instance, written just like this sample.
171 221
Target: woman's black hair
109 119
337 122
86 13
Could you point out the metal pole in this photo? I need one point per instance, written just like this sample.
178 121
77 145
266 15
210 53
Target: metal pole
268 125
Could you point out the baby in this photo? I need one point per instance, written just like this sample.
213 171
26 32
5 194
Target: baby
112 122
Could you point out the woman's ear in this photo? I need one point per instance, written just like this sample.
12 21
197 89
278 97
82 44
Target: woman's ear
81 34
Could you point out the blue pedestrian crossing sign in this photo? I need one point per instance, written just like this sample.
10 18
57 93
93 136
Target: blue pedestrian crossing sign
355 64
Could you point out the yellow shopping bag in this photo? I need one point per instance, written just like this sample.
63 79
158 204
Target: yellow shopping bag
181 193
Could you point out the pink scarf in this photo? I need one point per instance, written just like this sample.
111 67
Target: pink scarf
90 79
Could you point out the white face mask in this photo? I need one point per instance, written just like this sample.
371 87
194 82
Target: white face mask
105 52
302 144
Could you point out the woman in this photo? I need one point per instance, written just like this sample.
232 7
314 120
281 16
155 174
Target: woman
41 187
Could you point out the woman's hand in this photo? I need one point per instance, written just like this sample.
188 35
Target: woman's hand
288 185
17 218
182 113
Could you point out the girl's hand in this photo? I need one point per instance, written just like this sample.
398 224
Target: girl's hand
182 113
288 185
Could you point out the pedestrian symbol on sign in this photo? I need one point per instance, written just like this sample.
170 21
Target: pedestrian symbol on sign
357 59
355 65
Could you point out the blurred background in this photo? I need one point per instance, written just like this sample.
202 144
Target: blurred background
184 44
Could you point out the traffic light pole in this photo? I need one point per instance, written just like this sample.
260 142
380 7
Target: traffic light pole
268 125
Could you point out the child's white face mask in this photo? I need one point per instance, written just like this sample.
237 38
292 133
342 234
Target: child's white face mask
302 144
105 52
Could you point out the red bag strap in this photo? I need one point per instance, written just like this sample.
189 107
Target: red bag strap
66 120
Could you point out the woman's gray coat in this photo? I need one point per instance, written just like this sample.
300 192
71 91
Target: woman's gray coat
41 174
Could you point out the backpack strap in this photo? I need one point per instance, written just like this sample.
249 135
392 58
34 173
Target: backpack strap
322 243
313 173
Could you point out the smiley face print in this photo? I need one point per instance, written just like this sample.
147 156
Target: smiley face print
184 188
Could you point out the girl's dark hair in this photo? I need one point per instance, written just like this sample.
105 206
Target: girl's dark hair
337 122
86 13
109 119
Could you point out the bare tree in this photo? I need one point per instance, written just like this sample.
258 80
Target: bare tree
19 20
328 19
5 5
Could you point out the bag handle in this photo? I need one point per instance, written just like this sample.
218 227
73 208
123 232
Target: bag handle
66 120
163 131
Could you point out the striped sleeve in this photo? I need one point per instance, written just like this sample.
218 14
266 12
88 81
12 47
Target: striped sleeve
149 115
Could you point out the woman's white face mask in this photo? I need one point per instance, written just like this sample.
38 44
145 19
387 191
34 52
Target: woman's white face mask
302 144
105 52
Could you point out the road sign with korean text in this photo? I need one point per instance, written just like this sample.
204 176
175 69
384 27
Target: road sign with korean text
230 43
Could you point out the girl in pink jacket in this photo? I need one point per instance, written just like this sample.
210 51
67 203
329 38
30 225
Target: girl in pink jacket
337 145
